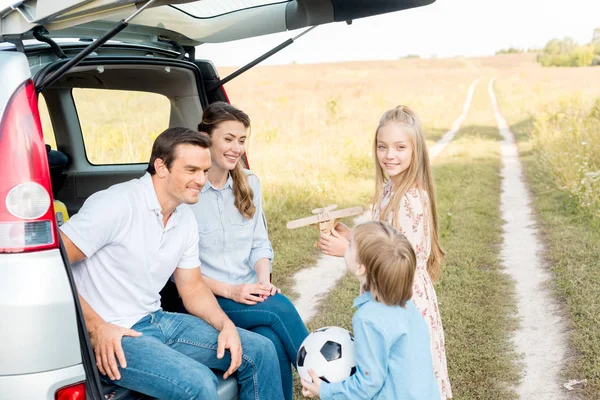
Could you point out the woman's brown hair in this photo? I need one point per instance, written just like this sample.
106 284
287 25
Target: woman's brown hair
212 116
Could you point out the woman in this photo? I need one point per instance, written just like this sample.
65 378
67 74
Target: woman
235 250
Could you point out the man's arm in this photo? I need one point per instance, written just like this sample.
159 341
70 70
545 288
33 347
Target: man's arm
105 337
199 300
92 319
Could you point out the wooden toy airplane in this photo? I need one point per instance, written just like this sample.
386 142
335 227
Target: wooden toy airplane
326 218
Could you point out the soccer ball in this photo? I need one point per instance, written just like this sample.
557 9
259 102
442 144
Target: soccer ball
329 352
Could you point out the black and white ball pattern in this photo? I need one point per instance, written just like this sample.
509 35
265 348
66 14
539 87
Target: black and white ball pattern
329 352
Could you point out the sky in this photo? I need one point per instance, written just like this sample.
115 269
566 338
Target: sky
446 28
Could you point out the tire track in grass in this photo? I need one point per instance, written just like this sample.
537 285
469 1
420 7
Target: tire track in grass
541 335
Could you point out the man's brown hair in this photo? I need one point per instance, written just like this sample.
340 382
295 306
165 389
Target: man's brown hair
389 260
165 145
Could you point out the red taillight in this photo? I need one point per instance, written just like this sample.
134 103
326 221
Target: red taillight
27 220
74 392
225 94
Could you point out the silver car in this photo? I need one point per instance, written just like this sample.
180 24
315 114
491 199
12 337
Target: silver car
76 60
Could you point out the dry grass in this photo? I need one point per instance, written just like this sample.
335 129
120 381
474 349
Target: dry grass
328 113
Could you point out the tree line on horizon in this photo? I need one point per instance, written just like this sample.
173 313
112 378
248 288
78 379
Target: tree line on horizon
565 52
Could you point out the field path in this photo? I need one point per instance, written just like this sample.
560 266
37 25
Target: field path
541 336
314 283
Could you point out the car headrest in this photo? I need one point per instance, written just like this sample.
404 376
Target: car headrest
56 158
57 162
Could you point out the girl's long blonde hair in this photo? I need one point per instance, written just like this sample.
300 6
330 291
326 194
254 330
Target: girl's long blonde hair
417 175
212 116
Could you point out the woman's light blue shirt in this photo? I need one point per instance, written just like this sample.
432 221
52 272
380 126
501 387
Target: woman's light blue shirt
230 245
393 356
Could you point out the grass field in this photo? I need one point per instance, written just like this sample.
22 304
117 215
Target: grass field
310 145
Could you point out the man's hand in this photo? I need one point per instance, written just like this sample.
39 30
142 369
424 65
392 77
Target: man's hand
106 342
311 389
250 293
229 338
334 244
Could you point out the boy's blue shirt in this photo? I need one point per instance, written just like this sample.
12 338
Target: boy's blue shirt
393 356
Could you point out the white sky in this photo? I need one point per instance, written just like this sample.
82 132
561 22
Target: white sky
445 28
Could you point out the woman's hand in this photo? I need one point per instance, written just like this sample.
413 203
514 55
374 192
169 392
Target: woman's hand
249 293
274 289
334 244
311 389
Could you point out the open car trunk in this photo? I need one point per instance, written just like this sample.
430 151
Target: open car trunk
185 22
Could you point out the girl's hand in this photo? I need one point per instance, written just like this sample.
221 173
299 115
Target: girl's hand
311 389
274 290
249 293
334 244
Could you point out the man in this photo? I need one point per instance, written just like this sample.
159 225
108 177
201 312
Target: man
125 243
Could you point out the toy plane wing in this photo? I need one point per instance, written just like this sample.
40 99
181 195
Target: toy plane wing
325 216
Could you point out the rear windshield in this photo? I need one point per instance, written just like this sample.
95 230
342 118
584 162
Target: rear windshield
215 8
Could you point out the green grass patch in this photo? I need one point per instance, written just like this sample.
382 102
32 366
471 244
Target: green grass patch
476 297
571 233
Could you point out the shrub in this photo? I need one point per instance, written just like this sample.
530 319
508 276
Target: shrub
567 53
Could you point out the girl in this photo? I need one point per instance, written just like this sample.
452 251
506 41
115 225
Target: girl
405 197
393 360
235 250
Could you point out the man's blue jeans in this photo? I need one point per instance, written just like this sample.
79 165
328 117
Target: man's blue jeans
277 319
173 357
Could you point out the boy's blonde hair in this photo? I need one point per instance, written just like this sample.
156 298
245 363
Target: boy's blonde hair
417 175
389 260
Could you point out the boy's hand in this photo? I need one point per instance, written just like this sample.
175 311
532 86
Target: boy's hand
311 389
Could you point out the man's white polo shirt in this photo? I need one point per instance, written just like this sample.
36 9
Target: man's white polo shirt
130 253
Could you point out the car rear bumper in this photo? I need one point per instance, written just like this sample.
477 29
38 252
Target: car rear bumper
39 324
40 386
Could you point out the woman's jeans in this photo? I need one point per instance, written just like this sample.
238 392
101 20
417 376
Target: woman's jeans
174 356
277 319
